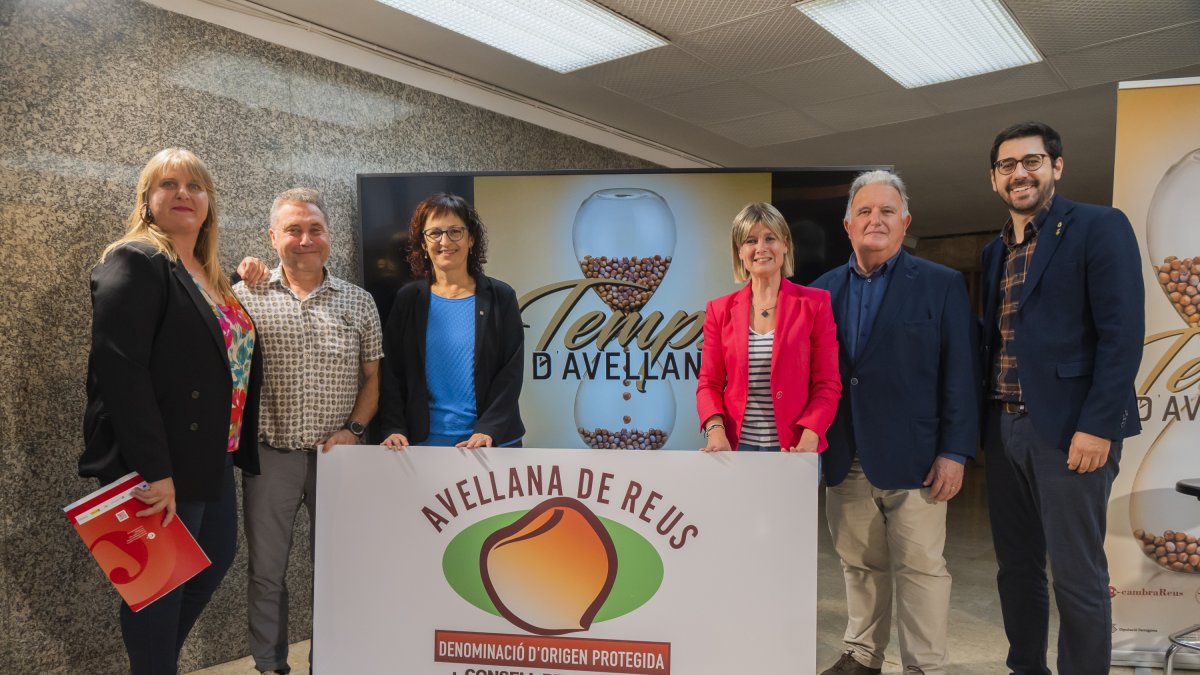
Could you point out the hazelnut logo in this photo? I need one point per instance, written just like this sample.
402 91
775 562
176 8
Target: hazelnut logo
551 571
557 568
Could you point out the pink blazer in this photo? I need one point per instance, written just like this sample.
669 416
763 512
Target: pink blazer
805 381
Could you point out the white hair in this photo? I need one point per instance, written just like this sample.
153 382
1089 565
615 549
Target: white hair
877 177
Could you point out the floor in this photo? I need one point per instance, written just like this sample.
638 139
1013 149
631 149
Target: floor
977 644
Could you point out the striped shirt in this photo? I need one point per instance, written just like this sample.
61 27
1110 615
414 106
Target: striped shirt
1005 378
758 424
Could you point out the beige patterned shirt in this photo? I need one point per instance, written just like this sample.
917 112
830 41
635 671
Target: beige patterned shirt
312 355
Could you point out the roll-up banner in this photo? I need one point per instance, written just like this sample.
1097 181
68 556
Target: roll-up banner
1152 550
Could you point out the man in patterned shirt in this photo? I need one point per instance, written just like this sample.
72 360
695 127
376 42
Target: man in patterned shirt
1063 331
321 346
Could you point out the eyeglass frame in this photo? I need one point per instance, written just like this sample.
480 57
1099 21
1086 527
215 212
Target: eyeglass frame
436 234
1041 159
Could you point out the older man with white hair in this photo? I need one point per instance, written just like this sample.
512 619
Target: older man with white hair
907 421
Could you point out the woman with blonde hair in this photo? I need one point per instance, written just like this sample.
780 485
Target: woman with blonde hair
173 380
769 365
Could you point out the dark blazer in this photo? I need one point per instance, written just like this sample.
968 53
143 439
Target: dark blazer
499 362
159 388
1080 324
911 394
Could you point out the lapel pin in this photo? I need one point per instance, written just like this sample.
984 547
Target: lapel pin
1058 229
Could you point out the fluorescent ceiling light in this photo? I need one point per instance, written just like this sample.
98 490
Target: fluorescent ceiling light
562 35
923 42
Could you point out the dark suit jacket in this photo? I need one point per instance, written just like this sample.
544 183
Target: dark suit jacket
911 394
159 388
1080 324
499 367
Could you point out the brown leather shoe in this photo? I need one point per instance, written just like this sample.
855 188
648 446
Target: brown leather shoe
847 665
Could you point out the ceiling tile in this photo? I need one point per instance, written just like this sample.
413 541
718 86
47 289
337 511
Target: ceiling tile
1063 25
770 129
828 79
652 73
1014 84
871 110
1134 57
763 42
673 18
716 103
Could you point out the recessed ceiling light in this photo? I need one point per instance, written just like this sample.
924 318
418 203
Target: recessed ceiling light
562 35
923 42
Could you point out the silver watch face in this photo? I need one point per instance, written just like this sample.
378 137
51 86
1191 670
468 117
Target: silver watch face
356 428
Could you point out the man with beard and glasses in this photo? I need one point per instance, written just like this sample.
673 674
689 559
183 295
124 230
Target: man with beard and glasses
1062 342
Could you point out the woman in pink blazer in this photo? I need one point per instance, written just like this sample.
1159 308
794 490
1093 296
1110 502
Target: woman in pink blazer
769 365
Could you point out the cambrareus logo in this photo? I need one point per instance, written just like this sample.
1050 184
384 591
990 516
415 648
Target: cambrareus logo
554 569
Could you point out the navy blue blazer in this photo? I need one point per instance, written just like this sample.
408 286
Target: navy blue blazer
1080 324
911 395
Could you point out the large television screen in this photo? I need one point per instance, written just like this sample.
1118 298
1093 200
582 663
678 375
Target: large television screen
613 271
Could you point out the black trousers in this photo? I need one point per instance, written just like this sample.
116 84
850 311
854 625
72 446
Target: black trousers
1039 508
154 636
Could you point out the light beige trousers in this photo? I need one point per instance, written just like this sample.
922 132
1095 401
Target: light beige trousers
892 539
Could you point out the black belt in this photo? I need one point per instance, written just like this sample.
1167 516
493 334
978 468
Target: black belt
1013 407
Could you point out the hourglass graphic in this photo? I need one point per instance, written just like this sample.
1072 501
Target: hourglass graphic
1173 236
1166 523
624 414
624 234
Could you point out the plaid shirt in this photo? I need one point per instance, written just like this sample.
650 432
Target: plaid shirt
312 355
1006 382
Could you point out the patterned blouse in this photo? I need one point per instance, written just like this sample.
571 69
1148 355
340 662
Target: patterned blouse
238 331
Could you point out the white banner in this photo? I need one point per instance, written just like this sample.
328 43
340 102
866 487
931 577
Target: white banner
442 561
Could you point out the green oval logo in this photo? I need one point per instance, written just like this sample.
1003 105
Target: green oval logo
639 566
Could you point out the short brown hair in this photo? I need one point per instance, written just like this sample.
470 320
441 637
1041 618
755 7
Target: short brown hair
440 204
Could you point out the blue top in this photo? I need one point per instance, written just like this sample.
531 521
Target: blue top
450 366
865 298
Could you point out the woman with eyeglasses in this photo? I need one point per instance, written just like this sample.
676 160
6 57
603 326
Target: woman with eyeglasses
454 343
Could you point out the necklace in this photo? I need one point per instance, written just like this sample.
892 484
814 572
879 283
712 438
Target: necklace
765 311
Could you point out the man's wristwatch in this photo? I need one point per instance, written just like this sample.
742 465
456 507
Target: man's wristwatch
355 428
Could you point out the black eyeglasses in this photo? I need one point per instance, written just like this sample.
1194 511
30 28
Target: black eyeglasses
455 234
1030 162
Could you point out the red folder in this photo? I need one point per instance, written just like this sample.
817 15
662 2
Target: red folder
142 559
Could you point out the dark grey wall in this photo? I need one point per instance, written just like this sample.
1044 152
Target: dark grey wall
88 92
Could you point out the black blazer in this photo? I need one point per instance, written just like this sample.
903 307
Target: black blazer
1080 325
910 396
499 367
158 385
